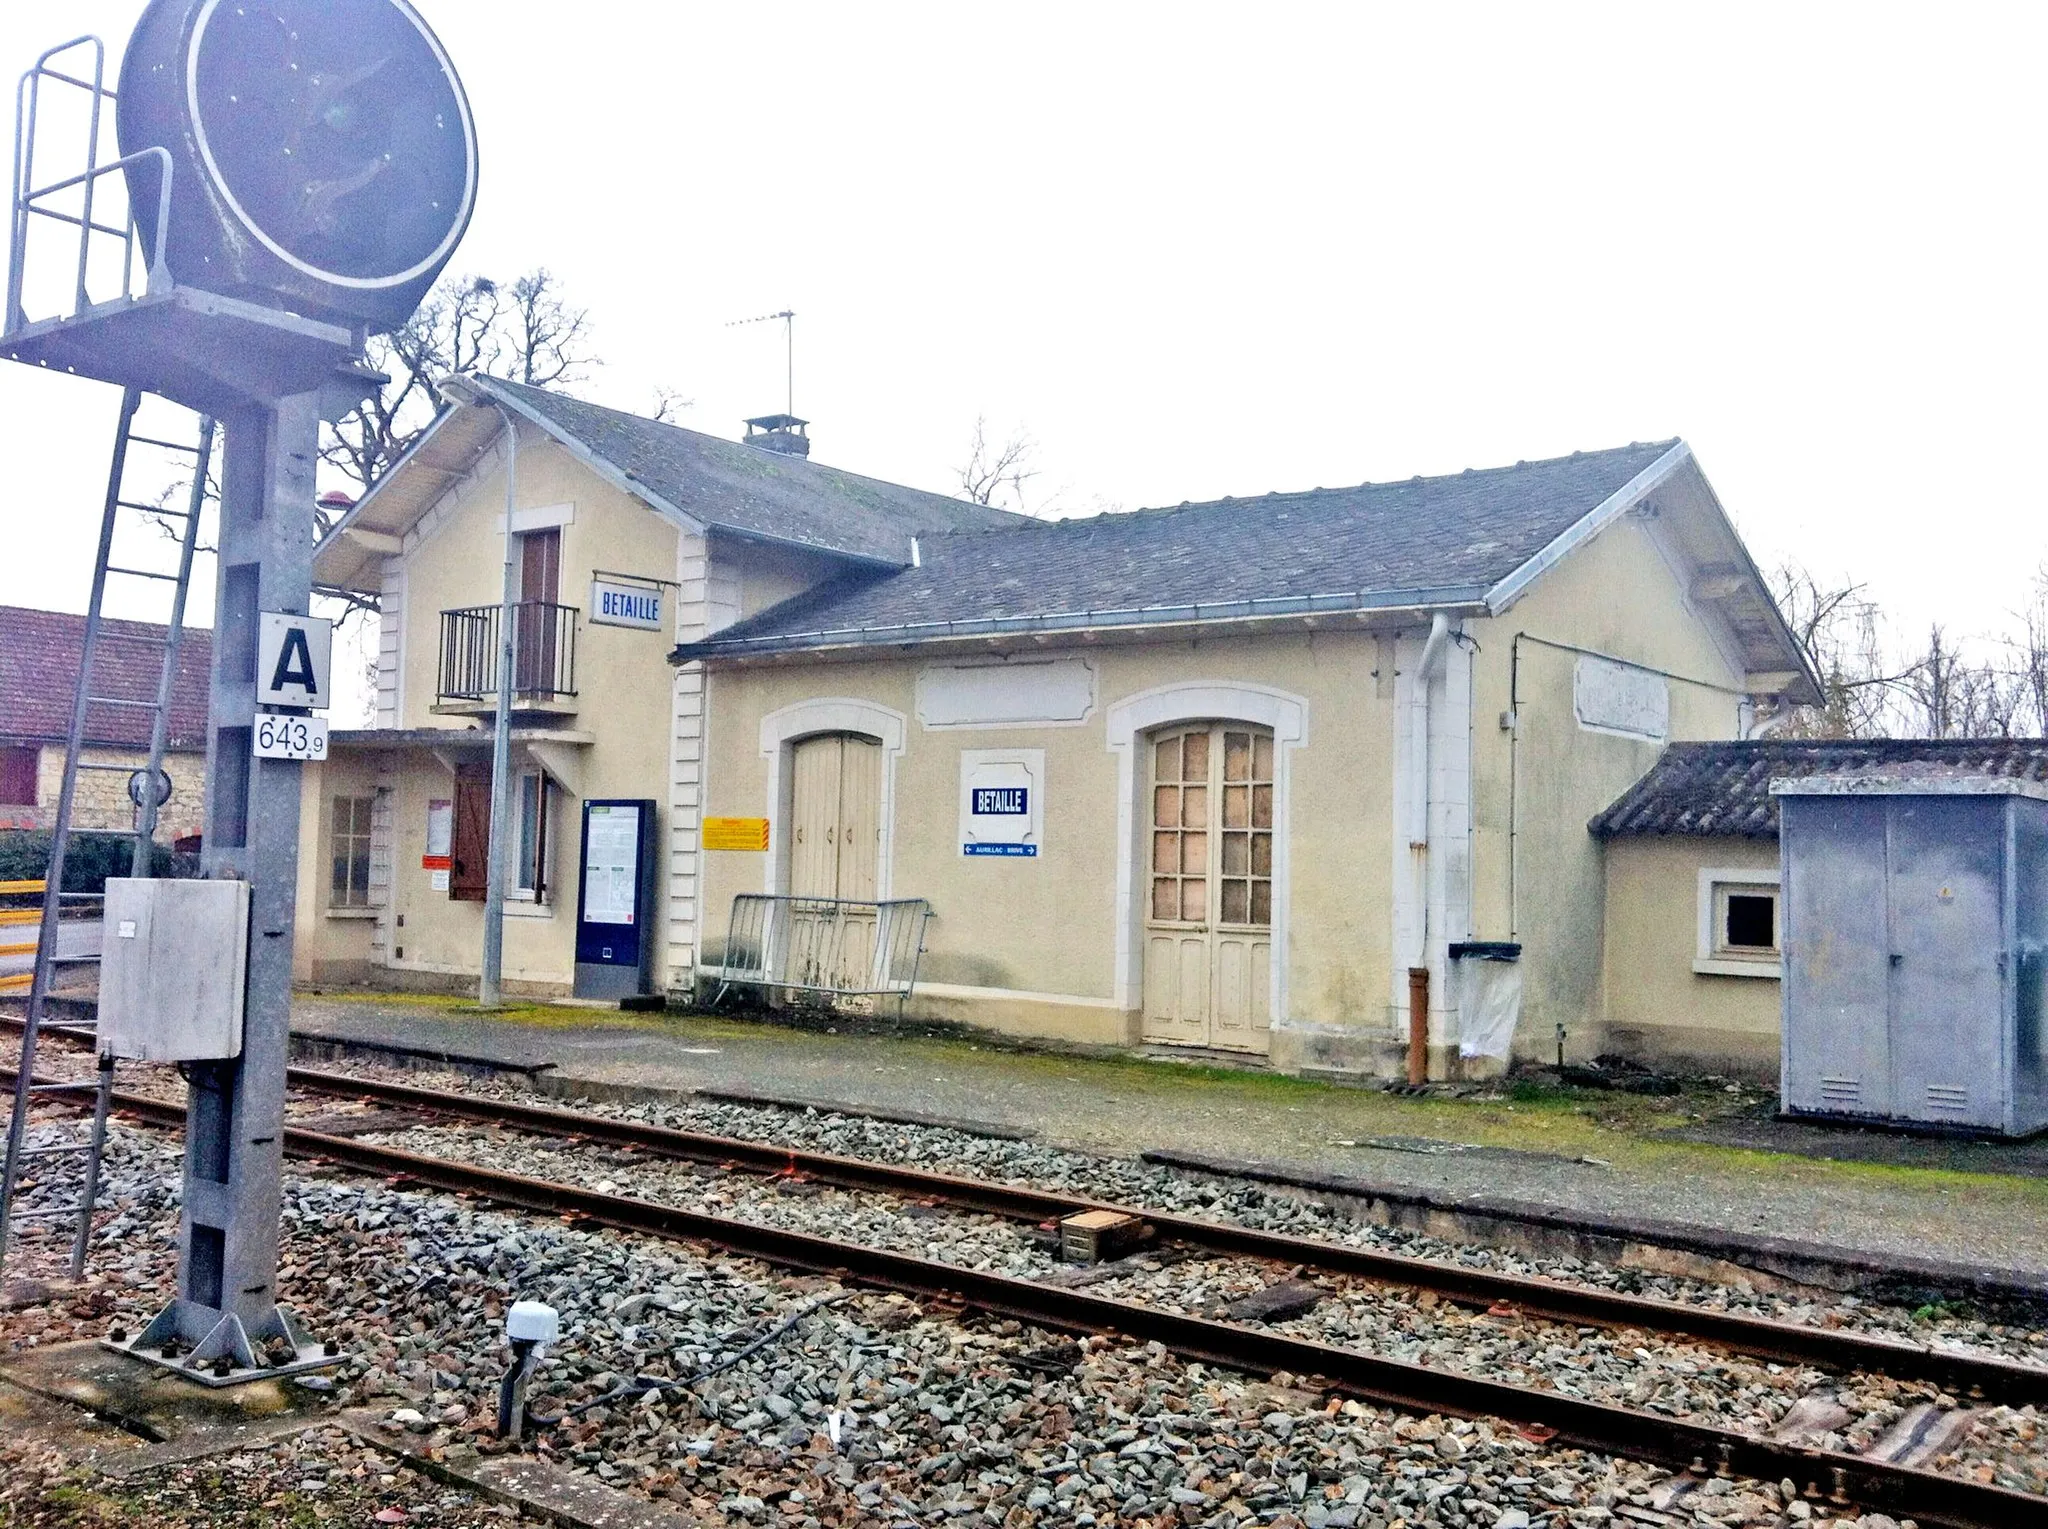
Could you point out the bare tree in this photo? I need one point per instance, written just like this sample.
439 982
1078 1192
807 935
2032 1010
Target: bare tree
992 474
1953 695
525 332
1840 630
2030 655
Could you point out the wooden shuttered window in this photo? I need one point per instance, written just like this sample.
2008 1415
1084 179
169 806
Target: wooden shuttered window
470 851
18 775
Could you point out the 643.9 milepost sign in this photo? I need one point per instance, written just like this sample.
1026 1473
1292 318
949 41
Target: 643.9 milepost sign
293 665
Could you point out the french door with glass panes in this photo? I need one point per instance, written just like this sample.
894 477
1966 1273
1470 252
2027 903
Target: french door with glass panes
1209 909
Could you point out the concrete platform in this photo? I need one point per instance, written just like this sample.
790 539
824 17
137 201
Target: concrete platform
163 1418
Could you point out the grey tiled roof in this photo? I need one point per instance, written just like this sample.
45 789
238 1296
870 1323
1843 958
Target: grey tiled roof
1423 541
1707 790
756 492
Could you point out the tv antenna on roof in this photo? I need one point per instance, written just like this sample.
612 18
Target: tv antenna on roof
788 318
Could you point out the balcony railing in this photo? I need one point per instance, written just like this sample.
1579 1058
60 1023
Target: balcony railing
543 655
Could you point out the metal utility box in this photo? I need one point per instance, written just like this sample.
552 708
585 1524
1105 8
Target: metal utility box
173 969
1915 916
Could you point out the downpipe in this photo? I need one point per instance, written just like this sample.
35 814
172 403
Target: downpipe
1418 847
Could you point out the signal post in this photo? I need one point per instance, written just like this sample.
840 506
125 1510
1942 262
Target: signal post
298 173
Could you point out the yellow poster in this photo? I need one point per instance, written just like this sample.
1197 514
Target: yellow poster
736 833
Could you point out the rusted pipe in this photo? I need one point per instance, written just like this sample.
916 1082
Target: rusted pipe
1418 1024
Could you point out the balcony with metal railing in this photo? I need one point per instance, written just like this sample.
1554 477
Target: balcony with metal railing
543 659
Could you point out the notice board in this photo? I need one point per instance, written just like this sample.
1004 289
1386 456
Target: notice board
615 894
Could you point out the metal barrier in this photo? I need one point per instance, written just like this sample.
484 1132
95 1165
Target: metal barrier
15 917
827 945
543 651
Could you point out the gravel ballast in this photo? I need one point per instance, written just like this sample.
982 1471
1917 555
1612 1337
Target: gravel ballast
419 1282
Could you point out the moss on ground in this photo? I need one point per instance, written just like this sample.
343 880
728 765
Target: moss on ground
1624 1130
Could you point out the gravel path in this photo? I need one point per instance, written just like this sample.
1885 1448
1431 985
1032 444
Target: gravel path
1121 1106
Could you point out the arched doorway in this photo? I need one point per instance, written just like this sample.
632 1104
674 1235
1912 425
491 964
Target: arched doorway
835 819
1208 927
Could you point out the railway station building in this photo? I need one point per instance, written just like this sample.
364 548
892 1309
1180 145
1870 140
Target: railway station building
1224 776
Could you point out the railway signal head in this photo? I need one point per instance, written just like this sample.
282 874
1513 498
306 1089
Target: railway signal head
323 153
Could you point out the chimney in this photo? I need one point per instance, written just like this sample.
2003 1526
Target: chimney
780 432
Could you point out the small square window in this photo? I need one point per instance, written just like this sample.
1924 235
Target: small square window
1740 933
1749 922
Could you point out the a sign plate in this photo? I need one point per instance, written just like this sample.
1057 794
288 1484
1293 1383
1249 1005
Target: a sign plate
748 834
1611 697
290 738
292 660
611 862
620 602
1002 802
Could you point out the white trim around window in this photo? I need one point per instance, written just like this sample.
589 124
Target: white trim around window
1286 716
1712 956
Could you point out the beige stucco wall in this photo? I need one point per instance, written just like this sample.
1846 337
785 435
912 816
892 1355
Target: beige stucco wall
329 944
618 741
101 798
1658 1010
1031 944
459 562
1016 943
1617 595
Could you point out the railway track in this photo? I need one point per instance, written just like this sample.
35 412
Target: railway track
1825 1477
1974 1376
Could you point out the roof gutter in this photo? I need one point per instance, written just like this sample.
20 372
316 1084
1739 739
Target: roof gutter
1461 600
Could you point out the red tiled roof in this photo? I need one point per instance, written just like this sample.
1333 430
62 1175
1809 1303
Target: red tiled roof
39 659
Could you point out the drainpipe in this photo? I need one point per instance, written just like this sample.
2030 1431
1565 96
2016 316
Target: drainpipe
1418 846
489 994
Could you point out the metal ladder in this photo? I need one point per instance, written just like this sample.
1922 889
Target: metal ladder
22 1158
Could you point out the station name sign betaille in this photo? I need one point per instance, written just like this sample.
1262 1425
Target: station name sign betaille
1002 803
620 602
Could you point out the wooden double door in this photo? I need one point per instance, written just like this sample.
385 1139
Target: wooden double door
1209 910
835 841
835 820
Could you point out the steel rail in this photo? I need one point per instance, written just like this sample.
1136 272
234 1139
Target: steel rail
1962 1374
1965 1375
1826 1475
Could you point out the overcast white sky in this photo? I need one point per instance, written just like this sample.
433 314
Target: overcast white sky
1198 251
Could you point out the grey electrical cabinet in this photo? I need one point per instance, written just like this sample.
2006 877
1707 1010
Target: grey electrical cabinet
1915 919
174 958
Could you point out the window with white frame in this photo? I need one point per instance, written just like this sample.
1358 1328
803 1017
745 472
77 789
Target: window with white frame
1741 927
348 881
532 880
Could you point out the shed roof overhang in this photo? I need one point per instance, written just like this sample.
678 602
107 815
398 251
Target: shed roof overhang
460 739
351 556
1722 582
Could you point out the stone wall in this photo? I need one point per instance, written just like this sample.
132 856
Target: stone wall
102 796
